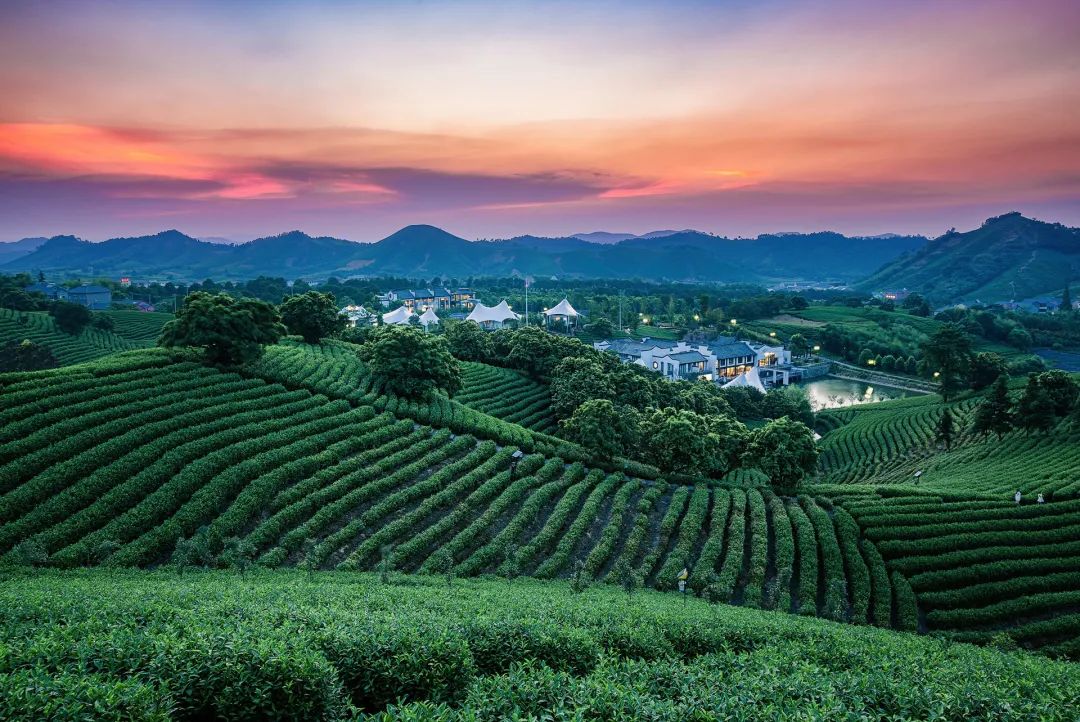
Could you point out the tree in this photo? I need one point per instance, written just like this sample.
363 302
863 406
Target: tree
994 414
790 401
105 323
26 356
865 356
784 450
798 303
601 328
468 341
313 316
1061 389
985 369
1035 411
71 318
682 441
232 331
888 362
1066 300
798 344
945 427
948 353
600 425
575 381
1019 337
411 363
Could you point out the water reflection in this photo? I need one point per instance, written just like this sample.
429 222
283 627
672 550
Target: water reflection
835 393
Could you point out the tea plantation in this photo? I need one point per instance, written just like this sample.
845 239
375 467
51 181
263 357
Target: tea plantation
123 645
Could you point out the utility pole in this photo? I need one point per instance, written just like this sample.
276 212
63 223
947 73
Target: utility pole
526 300
620 311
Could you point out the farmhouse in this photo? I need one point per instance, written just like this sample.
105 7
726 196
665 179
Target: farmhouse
49 290
96 298
721 360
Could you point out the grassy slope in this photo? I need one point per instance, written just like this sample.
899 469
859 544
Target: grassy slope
309 480
89 344
155 646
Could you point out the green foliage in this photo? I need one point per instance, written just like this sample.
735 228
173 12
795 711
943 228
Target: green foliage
26 356
946 428
985 369
231 331
410 363
1035 411
995 414
313 316
71 318
784 450
467 341
676 440
948 353
599 425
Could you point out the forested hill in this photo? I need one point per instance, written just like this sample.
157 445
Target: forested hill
1008 257
425 251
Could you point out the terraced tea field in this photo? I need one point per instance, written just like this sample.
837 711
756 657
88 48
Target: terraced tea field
91 343
508 395
137 325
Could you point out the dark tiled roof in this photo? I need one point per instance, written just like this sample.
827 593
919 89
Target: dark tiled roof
88 289
730 348
688 357
628 346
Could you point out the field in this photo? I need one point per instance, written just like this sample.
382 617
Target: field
89 344
137 325
129 645
508 395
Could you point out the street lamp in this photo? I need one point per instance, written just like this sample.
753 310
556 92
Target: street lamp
817 348
937 374
697 317
871 362
734 322
772 334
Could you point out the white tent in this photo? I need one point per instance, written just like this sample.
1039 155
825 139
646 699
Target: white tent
492 316
428 318
398 316
751 378
562 309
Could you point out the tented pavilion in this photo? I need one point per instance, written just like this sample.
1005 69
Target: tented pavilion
398 316
491 317
750 378
562 312
428 319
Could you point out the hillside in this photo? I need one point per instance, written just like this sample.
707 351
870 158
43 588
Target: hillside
1009 257
425 251
303 462
280 645
89 344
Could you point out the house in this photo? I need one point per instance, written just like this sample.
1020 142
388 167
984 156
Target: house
358 315
422 299
721 360
49 290
96 298
492 317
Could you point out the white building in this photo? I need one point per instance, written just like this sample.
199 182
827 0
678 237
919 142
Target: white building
398 316
722 360
358 315
428 319
562 314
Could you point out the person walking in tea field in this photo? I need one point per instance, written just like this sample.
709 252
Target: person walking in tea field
1017 496
1040 499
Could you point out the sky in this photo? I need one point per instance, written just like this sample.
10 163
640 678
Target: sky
495 119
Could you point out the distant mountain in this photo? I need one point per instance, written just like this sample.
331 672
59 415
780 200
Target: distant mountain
15 249
606 237
1008 257
424 251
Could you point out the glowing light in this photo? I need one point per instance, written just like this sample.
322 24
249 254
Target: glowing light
773 334
817 348
871 362
937 374
697 317
734 322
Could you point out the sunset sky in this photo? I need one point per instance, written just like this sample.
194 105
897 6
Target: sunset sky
493 119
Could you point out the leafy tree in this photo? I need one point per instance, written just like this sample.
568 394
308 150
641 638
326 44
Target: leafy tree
784 450
313 316
28 553
994 414
746 401
798 344
575 381
798 303
468 341
985 369
601 328
411 363
1061 389
1019 337
105 323
701 398
70 318
17 299
945 429
888 362
26 356
948 353
864 356
678 440
1035 410
790 401
603 427
232 331
1066 300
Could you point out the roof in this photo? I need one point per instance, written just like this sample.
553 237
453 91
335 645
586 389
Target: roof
688 357
428 317
751 378
563 308
730 348
398 315
630 347
484 314
89 289
442 293
404 294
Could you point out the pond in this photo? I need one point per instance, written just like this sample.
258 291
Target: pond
834 393
1064 360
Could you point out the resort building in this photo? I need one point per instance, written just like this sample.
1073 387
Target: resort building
492 317
421 299
562 315
358 315
401 315
721 360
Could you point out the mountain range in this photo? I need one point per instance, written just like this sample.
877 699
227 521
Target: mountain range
422 251
1009 257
